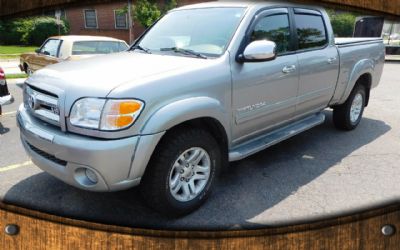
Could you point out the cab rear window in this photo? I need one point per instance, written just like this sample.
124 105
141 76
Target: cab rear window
97 47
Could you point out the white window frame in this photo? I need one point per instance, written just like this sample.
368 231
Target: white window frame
115 21
97 21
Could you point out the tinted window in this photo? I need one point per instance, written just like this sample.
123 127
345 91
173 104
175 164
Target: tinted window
51 47
274 28
310 31
90 19
97 47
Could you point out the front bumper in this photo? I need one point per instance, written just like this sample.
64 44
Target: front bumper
8 99
67 156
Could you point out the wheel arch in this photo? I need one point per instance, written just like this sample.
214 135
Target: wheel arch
201 112
366 81
362 73
25 66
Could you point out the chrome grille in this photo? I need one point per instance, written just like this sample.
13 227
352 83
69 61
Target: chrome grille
42 104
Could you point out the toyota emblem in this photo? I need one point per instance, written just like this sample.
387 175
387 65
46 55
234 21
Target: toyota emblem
32 102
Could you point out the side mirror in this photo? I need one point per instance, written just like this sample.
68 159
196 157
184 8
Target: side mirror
46 53
259 51
37 51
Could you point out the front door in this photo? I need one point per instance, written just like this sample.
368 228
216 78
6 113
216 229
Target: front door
264 93
48 54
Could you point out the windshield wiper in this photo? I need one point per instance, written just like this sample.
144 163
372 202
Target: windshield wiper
185 52
140 48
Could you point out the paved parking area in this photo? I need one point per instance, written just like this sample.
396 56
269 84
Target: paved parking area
320 173
11 66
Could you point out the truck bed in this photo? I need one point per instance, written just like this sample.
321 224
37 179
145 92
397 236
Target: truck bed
357 55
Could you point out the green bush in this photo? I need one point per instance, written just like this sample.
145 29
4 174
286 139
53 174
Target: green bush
342 23
43 28
30 31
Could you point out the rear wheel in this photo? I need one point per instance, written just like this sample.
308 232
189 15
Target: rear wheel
182 172
348 115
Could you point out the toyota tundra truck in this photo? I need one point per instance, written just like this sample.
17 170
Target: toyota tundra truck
206 85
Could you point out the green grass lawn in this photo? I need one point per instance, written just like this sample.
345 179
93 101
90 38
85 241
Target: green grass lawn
16 76
11 52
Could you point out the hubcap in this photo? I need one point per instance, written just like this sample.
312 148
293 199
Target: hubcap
190 174
356 108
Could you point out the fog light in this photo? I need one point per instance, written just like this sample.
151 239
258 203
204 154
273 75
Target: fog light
91 175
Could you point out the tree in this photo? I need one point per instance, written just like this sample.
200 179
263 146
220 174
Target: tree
146 12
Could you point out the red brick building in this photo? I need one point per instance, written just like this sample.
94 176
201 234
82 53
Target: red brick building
103 20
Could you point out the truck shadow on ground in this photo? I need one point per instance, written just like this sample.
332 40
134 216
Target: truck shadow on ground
248 187
3 130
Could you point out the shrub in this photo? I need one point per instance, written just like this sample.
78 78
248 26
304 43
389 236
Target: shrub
42 28
30 31
342 23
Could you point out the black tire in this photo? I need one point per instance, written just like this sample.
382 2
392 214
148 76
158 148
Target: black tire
342 113
28 70
155 186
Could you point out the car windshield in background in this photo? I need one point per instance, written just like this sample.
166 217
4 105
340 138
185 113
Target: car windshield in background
97 47
202 31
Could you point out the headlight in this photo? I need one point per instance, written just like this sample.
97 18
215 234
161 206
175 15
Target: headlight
105 114
120 114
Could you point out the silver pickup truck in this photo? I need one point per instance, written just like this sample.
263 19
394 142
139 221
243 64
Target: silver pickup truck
206 85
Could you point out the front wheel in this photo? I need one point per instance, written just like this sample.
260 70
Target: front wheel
182 172
348 115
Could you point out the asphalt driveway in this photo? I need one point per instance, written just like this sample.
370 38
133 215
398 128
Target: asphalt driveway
320 173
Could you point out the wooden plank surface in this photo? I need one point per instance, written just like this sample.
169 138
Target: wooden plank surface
42 231
13 7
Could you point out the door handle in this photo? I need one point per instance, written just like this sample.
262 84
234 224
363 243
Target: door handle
331 60
289 69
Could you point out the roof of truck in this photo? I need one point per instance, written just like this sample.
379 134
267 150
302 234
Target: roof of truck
237 4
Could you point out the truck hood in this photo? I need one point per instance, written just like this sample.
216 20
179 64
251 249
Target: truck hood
98 76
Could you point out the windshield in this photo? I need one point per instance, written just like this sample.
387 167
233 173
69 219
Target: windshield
97 47
205 31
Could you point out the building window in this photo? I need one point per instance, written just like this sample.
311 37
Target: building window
121 20
90 19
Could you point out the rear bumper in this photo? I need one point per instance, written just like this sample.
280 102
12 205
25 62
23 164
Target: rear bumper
68 156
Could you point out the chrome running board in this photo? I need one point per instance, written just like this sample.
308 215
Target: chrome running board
265 141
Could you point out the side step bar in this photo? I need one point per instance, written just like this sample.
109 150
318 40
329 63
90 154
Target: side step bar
265 141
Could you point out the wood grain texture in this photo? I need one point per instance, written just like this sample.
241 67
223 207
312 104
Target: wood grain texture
43 231
13 7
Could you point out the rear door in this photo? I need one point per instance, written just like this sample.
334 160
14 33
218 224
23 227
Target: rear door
318 62
264 93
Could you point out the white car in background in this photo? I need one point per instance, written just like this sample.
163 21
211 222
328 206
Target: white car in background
66 48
